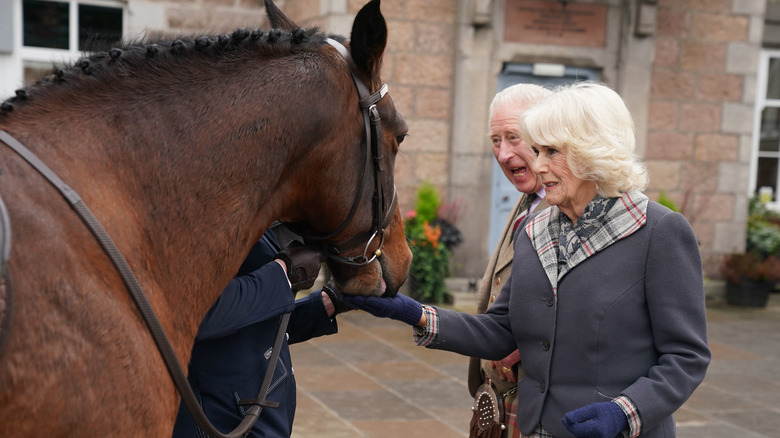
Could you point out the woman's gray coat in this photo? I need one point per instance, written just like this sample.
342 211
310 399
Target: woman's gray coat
628 320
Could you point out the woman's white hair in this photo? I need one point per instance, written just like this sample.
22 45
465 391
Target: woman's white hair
592 124
518 95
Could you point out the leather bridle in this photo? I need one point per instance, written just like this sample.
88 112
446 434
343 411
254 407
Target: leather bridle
381 210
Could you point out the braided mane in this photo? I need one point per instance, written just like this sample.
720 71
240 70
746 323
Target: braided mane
182 54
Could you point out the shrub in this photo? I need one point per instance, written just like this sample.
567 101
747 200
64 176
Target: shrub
430 238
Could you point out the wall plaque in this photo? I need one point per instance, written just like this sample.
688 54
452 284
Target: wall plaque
555 22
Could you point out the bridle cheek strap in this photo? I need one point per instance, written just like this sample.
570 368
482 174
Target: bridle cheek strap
381 212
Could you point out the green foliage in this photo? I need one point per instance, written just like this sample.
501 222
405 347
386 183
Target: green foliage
431 258
761 260
763 233
667 202
428 202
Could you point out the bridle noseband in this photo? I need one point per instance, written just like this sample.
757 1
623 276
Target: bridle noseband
382 213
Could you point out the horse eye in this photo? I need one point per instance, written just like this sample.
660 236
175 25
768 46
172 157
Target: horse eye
400 138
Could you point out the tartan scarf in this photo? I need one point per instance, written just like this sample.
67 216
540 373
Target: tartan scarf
607 221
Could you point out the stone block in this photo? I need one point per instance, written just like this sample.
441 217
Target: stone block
742 58
468 170
428 136
669 145
664 175
667 52
745 148
749 89
713 207
430 70
700 117
672 84
756 30
301 11
663 115
732 178
434 38
434 168
716 6
400 36
705 233
698 176
703 55
388 67
672 23
737 118
437 11
404 100
434 103
719 87
716 27
716 147
729 237
749 7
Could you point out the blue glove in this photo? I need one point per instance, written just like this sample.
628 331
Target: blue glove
400 307
597 420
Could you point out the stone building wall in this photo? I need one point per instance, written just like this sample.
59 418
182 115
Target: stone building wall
701 116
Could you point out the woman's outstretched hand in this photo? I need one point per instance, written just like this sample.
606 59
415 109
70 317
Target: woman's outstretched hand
400 307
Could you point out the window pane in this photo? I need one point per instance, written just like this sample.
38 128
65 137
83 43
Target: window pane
773 80
99 27
45 24
770 130
767 174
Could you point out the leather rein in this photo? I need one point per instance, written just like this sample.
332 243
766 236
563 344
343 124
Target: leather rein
371 121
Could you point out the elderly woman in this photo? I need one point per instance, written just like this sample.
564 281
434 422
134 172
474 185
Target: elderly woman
609 317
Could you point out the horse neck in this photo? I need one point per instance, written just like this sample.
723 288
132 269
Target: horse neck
186 182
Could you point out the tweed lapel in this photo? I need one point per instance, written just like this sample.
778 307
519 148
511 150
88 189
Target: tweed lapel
625 217
543 230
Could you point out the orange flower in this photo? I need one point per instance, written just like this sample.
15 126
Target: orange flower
432 234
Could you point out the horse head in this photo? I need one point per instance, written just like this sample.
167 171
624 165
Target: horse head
366 246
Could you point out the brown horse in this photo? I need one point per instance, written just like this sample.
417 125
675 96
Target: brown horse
185 151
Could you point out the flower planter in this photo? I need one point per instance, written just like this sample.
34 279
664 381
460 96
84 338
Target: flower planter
748 293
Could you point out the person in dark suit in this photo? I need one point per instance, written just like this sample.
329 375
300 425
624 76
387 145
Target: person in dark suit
232 348
606 298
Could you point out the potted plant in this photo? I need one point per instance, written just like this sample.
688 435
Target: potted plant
750 277
431 236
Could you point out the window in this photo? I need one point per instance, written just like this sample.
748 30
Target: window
59 31
765 178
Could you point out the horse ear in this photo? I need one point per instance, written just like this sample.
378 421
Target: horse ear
369 38
277 17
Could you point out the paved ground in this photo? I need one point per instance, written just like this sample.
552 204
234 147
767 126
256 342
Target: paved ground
371 381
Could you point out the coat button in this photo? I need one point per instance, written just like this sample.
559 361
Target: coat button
498 281
541 387
546 345
492 298
550 301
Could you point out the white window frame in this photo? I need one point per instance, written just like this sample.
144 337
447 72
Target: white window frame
761 103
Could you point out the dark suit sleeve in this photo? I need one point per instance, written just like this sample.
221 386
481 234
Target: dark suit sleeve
248 299
310 320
